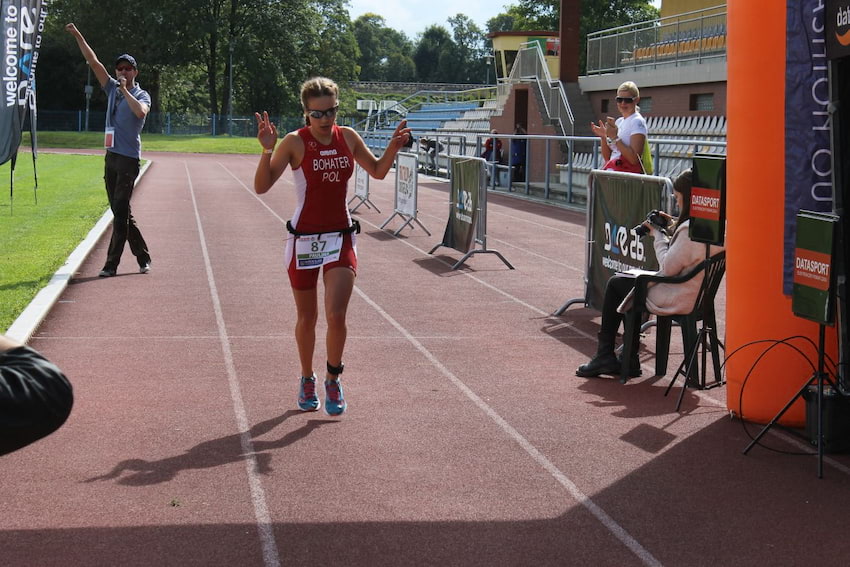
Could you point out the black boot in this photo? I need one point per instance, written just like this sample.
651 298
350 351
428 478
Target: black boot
634 364
605 362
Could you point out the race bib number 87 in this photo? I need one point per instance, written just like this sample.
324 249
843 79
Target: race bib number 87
316 250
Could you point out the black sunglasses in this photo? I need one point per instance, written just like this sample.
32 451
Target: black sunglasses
626 99
330 113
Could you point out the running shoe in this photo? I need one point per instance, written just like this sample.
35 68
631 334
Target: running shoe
334 399
307 398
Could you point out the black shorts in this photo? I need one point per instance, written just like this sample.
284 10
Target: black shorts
35 398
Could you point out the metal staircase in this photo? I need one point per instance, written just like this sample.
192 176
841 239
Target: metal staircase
530 67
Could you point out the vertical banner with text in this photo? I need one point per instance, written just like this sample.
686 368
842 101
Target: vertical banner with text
361 183
406 180
620 202
465 181
23 26
808 158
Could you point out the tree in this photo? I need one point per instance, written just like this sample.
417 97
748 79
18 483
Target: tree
537 14
501 22
139 30
336 51
401 68
385 54
273 45
469 45
367 33
279 54
434 43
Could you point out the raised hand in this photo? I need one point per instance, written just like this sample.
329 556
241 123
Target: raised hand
400 136
266 131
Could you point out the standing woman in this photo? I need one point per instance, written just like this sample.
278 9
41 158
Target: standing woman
322 156
623 140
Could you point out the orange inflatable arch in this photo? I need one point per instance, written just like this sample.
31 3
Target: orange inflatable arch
756 308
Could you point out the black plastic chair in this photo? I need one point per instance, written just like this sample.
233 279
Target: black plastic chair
692 338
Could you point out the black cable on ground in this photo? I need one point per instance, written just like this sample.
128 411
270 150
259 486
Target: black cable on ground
774 343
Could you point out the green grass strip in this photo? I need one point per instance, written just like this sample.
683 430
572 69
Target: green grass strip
151 143
37 238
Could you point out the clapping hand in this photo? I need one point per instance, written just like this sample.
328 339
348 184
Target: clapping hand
598 129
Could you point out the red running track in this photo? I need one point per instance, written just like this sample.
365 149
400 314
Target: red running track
468 439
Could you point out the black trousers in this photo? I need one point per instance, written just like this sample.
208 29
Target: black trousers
35 398
616 290
120 175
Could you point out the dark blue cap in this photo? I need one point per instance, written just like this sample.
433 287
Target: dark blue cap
128 58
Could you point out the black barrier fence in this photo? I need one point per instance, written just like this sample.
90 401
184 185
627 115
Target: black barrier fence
618 203
466 227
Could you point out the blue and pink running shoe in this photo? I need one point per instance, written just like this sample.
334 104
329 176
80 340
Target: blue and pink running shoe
334 398
307 398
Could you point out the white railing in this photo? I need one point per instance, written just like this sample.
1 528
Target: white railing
530 67
691 37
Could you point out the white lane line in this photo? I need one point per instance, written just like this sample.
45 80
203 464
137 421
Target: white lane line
616 529
271 557
600 514
24 326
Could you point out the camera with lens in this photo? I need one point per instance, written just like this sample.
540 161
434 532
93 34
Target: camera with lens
654 217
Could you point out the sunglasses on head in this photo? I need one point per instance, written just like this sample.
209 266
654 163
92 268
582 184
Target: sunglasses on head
625 99
124 68
330 112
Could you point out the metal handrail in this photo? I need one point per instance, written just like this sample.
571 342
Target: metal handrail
674 40
716 10
530 66
668 154
382 116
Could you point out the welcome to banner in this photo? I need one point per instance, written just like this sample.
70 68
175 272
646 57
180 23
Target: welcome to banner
23 26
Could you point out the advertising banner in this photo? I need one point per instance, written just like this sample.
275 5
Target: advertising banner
708 200
361 183
406 184
837 28
23 26
808 158
811 297
467 175
619 203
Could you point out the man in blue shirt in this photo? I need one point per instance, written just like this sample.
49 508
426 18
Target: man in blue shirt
128 105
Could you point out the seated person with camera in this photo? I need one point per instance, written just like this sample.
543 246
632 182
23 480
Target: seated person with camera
676 255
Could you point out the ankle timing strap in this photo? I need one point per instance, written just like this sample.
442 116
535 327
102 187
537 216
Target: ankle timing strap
335 370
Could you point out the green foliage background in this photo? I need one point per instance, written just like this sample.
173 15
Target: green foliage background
190 52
